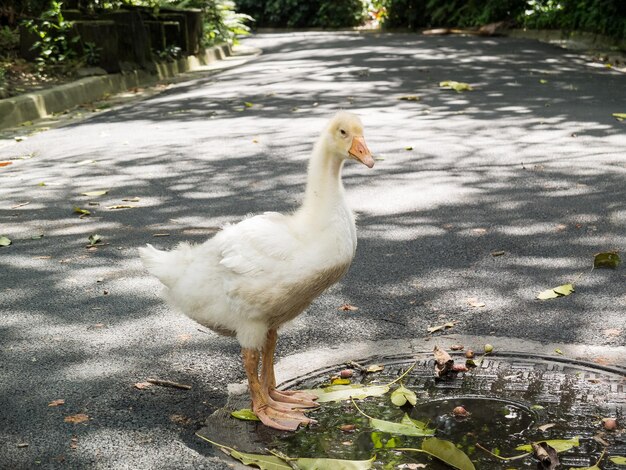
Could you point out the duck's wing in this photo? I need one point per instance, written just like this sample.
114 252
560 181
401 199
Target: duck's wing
261 244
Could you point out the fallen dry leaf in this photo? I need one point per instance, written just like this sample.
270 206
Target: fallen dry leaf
121 206
613 332
5 164
348 308
74 443
497 253
374 368
545 427
77 418
474 302
180 419
58 402
142 385
432 329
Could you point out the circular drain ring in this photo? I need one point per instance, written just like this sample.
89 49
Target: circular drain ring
587 390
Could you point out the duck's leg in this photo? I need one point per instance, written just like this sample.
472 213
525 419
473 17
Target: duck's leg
262 405
291 398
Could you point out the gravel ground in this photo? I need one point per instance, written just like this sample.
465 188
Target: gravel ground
530 163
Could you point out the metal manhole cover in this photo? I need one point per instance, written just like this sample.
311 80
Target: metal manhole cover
509 396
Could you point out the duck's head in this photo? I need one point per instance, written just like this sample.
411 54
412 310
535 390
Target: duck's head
345 133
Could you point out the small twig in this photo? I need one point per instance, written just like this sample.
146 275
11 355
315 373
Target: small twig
359 409
168 383
357 366
403 375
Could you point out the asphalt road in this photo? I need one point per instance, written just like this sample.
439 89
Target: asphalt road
531 163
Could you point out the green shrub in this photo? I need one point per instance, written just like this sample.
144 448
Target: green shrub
55 41
305 13
596 16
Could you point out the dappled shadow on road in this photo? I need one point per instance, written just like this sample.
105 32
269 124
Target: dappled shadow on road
530 163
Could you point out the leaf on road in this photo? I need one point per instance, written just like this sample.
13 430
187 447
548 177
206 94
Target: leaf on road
456 86
5 241
82 212
474 302
560 445
121 206
247 104
95 238
345 392
131 199
619 116
401 395
560 291
58 402
618 460
142 385
432 329
447 452
609 259
76 419
348 308
5 164
410 98
498 253
95 193
245 414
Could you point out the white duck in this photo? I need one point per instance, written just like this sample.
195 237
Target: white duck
254 276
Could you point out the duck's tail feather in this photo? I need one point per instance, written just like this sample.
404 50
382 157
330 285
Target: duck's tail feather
164 265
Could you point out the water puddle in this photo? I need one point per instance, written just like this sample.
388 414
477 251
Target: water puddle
511 402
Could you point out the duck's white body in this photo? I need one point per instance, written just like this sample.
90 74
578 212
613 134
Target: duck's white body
256 275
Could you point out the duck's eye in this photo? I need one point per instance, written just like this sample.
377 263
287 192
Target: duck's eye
343 133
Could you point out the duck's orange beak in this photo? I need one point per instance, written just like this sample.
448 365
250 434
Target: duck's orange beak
360 151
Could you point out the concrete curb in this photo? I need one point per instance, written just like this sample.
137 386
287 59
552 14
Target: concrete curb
31 106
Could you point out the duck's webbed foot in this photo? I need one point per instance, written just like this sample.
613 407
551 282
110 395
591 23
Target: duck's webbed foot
281 420
295 398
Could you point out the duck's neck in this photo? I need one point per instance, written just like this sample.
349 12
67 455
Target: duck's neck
324 190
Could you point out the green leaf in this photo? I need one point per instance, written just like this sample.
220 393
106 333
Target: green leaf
536 407
264 462
406 419
401 395
619 116
618 460
407 427
95 238
271 462
78 210
560 291
95 193
333 464
391 443
560 445
447 452
340 381
610 259
456 86
345 392
248 104
5 241
245 414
